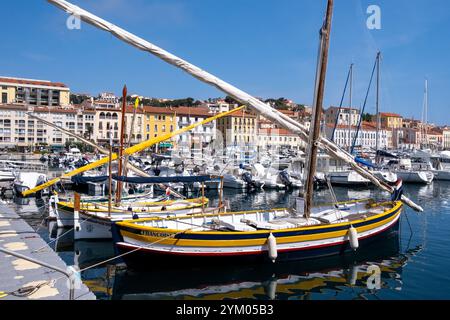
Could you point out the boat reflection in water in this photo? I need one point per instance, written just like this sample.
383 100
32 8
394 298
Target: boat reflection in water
296 280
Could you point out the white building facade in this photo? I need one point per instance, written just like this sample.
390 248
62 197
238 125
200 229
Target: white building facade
367 137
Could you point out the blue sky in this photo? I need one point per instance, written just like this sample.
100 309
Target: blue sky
265 47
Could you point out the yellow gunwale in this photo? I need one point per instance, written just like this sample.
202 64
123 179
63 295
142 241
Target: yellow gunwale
90 207
134 223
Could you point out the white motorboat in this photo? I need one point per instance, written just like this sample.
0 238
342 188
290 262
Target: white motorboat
347 178
29 180
413 176
386 175
441 164
6 178
410 174
269 176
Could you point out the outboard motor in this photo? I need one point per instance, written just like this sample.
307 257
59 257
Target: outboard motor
132 189
179 169
157 172
41 180
248 179
285 178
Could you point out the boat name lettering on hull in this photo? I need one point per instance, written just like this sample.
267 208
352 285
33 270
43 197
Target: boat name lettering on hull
156 234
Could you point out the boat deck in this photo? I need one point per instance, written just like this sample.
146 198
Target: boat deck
269 219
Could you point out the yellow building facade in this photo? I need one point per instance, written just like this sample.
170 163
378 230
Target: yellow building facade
159 121
391 120
33 92
239 128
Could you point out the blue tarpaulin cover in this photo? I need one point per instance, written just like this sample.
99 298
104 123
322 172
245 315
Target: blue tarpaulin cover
364 162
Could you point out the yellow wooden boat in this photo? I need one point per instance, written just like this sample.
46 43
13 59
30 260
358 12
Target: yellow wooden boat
256 236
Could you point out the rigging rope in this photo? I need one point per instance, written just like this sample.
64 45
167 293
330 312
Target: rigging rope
363 108
340 106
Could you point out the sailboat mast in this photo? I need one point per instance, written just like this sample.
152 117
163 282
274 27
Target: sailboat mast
426 113
377 143
350 110
122 133
318 102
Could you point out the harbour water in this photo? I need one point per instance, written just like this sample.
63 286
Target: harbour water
414 265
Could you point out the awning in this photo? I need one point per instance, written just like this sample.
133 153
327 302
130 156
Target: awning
383 153
364 162
165 145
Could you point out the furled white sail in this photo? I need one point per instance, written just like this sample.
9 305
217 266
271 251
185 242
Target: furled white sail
259 106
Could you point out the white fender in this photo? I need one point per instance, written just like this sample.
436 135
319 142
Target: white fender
51 211
76 222
353 238
272 245
58 218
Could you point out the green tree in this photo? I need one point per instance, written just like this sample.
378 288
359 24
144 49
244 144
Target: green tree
231 100
280 103
368 117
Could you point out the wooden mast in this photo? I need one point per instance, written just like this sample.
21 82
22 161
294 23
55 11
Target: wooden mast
377 144
110 175
318 101
122 133
127 157
350 110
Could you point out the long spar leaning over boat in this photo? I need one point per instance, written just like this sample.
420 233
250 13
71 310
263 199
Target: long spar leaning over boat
104 151
268 112
134 149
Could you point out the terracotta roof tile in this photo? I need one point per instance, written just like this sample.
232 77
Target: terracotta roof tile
391 115
33 82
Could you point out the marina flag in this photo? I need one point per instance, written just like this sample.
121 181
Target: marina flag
136 103
398 190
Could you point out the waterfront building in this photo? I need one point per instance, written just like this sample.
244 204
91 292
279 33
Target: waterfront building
412 137
411 123
435 138
33 92
347 116
199 137
344 136
159 121
391 120
107 98
107 121
219 106
239 128
18 130
136 129
446 138
272 138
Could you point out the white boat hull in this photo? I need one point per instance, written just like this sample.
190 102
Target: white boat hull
98 226
386 176
423 177
347 178
230 181
441 175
